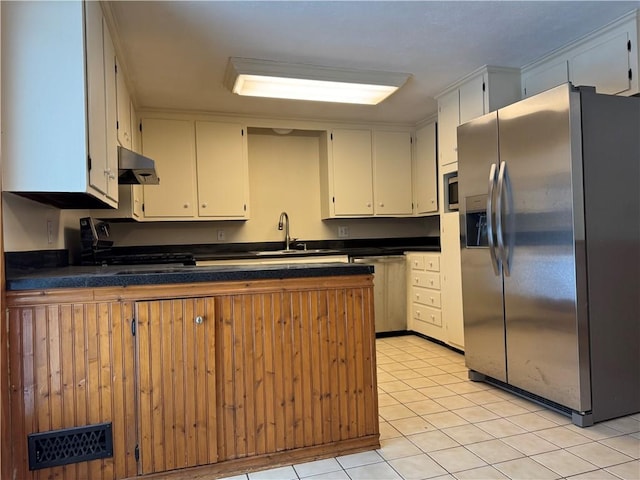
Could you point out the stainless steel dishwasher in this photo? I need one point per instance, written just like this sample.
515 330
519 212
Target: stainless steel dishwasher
389 291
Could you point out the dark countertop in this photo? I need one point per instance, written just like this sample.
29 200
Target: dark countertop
126 275
47 269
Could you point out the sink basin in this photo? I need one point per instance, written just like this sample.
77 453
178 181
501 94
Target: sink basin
299 252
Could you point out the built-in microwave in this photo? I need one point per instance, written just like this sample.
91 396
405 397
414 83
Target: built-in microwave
452 192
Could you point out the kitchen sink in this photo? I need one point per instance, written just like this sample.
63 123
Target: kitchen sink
299 252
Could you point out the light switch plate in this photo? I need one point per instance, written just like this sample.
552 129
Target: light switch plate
221 236
343 231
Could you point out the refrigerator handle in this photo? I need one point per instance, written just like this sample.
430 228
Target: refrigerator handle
495 260
504 188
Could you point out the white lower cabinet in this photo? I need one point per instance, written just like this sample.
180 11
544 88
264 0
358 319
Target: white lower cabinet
452 314
424 295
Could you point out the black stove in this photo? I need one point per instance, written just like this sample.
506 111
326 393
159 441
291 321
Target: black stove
97 249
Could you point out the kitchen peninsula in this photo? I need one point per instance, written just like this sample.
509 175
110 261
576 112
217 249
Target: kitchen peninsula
216 369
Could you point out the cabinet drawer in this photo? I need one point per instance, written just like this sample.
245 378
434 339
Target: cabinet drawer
425 279
426 296
432 263
417 262
426 314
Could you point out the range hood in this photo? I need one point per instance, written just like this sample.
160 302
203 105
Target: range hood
134 168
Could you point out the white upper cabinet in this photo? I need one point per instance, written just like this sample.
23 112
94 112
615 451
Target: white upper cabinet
392 173
351 169
223 177
605 65
202 167
171 144
55 119
125 136
472 98
606 59
366 173
448 121
545 77
425 179
480 92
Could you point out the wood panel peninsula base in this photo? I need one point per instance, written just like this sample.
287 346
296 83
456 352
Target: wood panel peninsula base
198 380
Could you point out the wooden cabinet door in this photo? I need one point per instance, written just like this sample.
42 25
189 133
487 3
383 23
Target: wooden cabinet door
171 143
448 120
392 173
177 383
352 172
223 170
425 179
72 365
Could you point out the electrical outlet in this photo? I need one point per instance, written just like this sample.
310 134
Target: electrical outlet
221 235
49 232
343 231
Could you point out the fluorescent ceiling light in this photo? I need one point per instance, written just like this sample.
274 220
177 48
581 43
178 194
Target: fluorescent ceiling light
263 78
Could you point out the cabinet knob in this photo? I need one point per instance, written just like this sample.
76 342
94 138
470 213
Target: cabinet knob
432 300
204 205
368 204
431 282
186 205
198 320
418 313
381 204
417 296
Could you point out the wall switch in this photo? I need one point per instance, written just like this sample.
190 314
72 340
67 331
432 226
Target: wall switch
49 232
343 231
221 235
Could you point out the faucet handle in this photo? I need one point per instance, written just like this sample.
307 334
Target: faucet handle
300 244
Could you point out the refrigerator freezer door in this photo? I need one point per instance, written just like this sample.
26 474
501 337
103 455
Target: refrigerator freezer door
484 335
540 142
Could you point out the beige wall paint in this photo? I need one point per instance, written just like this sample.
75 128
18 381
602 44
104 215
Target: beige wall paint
283 175
24 224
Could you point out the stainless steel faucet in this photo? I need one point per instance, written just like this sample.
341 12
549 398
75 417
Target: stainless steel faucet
284 222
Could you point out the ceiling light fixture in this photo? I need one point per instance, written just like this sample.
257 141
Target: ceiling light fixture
264 78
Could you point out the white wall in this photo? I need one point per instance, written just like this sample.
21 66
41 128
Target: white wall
24 223
284 176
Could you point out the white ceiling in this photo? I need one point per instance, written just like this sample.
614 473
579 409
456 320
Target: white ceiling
175 52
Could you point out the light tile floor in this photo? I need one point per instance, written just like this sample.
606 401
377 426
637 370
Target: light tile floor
436 424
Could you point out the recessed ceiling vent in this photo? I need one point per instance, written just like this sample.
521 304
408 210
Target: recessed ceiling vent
70 445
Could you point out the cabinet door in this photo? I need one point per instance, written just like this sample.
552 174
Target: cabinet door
425 180
96 97
545 78
222 166
448 121
111 113
451 295
177 388
392 173
171 143
136 145
124 110
352 172
472 96
605 66
72 365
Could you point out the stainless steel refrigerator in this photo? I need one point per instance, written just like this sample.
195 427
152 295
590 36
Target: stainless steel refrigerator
550 250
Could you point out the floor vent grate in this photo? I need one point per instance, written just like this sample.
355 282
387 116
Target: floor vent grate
70 445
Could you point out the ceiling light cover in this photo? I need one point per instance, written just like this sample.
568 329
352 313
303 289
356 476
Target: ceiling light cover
263 78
